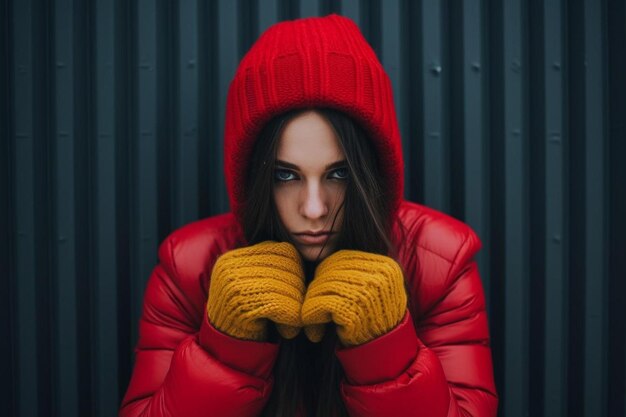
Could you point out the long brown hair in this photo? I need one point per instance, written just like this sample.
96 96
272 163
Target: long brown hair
308 375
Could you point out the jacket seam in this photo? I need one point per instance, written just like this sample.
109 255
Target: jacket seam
454 261
448 284
451 261
175 280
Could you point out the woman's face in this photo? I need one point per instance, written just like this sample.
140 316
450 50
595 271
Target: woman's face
310 183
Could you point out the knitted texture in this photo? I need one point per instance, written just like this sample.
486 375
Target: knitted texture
361 292
252 285
307 63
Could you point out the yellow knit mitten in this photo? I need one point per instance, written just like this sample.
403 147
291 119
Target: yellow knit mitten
362 293
252 285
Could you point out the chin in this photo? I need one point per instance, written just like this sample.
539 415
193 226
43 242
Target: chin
312 253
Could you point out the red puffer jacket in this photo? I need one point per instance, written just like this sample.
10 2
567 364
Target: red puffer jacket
437 362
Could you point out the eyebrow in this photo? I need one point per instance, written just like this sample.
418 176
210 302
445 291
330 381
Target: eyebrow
286 164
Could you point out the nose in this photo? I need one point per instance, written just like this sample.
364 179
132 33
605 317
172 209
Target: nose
313 204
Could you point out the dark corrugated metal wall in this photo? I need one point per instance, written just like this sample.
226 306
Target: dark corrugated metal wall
513 119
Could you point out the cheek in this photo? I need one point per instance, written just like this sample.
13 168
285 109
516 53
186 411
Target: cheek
338 194
283 201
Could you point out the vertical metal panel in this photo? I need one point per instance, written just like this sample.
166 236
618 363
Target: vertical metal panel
537 186
209 168
65 136
494 68
168 116
145 164
574 111
247 24
309 8
288 9
391 58
112 126
435 132
83 202
616 107
475 138
596 278
516 216
106 299
370 12
227 57
123 136
44 201
556 286
7 221
453 55
351 9
26 338
412 107
144 156
188 114
268 14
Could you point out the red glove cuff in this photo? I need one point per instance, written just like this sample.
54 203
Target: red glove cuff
382 359
247 356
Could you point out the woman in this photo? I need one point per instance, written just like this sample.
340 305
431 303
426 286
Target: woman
323 293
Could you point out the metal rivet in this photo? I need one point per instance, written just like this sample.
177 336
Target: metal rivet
555 137
516 65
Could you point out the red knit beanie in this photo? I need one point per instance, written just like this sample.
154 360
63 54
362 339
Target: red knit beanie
305 63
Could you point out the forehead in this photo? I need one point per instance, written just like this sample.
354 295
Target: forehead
309 140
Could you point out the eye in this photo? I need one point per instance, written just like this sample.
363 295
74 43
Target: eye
339 173
284 175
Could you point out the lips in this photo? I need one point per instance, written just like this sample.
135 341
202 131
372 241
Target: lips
313 238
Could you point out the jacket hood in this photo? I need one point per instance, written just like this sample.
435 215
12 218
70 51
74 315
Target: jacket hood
308 63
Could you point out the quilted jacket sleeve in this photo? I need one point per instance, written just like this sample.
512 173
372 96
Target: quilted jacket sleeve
439 367
184 367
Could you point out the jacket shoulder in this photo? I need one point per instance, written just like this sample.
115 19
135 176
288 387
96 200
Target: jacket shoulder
433 248
426 229
188 253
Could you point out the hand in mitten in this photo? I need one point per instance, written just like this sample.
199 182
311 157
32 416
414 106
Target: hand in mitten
362 293
252 285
